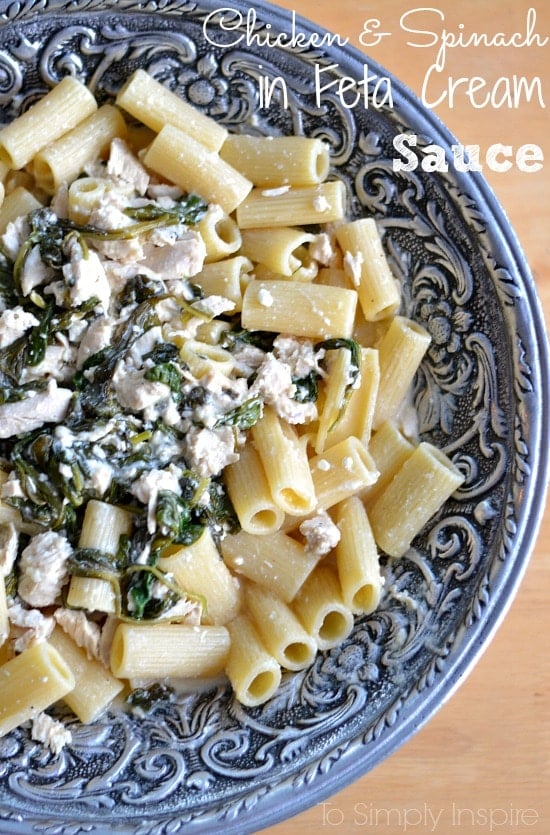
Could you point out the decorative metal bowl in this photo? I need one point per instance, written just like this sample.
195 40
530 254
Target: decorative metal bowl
482 395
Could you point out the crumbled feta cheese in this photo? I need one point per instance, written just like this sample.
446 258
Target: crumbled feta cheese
273 384
43 566
353 263
321 534
322 249
100 475
275 192
265 298
320 203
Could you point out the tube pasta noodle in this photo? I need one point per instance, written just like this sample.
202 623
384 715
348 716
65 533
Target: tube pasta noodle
31 682
155 105
324 203
250 494
199 570
220 233
358 416
275 561
63 160
321 609
60 110
202 358
17 203
95 686
226 278
368 268
400 352
191 165
357 558
254 674
278 161
343 470
284 458
308 310
174 650
280 630
102 527
209 455
275 248
423 482
389 449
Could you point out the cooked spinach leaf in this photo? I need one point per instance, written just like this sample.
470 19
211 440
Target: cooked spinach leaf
242 417
188 210
306 388
145 700
354 368
147 592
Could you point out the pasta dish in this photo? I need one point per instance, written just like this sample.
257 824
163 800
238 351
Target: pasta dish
206 440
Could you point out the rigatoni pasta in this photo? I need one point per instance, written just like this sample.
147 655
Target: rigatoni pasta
368 268
155 651
204 456
60 110
275 561
152 104
324 203
254 674
278 161
308 310
31 682
357 558
424 481
320 607
193 167
285 462
95 686
63 160
280 631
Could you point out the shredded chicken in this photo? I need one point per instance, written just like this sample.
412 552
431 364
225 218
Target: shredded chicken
50 732
84 632
43 567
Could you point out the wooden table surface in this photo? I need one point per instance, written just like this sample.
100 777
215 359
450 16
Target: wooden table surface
482 763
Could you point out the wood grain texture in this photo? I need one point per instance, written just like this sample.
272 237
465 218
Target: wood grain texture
482 763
